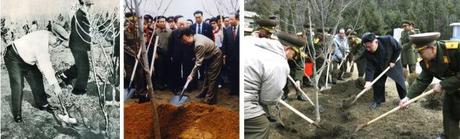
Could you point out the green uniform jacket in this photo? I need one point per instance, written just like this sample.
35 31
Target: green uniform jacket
408 52
445 67
356 49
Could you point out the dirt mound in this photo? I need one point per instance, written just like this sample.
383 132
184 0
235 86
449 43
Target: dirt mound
339 122
192 120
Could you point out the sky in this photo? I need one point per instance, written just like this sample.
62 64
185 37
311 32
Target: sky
186 8
32 9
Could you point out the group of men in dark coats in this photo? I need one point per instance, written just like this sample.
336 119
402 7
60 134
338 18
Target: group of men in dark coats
177 60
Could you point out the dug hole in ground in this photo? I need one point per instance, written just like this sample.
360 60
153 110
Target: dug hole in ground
421 120
191 120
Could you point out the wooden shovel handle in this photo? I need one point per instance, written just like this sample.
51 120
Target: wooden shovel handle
373 82
399 107
297 112
300 89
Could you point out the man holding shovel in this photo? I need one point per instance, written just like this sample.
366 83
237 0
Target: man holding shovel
28 57
265 76
382 52
205 52
340 54
441 59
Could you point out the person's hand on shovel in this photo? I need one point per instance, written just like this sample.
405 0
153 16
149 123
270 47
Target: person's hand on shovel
392 65
403 103
437 88
368 85
189 78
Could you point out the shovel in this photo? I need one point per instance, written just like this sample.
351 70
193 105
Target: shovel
393 110
298 113
65 118
300 89
372 83
180 99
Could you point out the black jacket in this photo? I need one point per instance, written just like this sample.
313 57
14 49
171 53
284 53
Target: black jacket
231 45
80 28
387 52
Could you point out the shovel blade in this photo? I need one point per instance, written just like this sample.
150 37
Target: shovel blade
178 100
67 119
360 127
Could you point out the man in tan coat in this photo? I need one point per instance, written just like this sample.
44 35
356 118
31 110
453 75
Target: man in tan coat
205 51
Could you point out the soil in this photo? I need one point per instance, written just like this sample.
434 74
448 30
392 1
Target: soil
85 108
192 120
339 122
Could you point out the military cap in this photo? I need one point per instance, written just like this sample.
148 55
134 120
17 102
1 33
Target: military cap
59 31
422 39
290 40
306 25
368 37
267 24
407 22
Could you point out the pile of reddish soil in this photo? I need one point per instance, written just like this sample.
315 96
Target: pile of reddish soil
192 120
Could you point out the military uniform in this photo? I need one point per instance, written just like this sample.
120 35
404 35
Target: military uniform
267 25
446 67
321 41
357 51
296 65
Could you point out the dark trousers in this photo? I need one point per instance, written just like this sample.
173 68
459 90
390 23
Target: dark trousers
451 115
210 82
379 89
361 64
174 73
17 70
233 76
80 70
257 127
161 68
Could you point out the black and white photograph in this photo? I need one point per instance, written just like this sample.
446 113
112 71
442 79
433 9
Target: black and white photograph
60 69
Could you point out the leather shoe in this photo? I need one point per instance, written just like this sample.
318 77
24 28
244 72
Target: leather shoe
48 108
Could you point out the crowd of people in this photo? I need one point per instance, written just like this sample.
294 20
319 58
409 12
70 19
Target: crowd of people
199 50
283 55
